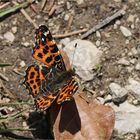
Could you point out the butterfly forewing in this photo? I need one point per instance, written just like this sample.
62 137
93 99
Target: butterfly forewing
46 50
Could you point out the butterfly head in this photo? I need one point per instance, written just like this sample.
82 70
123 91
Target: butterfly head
43 33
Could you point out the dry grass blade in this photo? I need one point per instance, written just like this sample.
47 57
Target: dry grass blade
5 65
16 129
15 104
2 76
13 9
12 116
27 16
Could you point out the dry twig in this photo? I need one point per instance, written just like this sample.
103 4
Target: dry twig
69 34
17 72
51 5
4 77
26 15
12 116
44 2
103 23
69 23
52 10
4 5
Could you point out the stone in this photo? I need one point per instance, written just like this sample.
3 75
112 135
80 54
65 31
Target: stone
9 36
64 41
125 31
137 66
131 18
118 22
133 86
119 93
127 118
14 29
22 64
26 44
98 43
66 17
79 1
124 62
98 34
84 57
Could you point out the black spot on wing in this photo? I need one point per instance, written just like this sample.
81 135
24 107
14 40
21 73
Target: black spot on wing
40 55
49 59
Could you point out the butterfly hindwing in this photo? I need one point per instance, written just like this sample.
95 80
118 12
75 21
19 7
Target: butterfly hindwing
67 91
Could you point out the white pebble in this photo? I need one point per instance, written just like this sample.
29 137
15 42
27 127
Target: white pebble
14 29
66 17
98 34
125 31
98 43
9 36
22 64
138 67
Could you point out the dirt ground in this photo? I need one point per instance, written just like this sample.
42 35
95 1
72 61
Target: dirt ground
86 14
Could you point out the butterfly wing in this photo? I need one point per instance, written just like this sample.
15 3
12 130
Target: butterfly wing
46 50
67 91
43 102
34 79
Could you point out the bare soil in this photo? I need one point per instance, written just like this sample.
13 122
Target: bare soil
85 15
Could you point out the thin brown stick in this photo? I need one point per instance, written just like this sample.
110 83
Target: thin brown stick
26 15
4 5
34 8
17 72
103 23
52 10
44 2
69 34
4 77
51 5
69 23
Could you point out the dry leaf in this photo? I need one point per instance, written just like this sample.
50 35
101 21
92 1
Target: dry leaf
80 120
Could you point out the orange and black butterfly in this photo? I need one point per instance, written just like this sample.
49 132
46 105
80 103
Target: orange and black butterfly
49 81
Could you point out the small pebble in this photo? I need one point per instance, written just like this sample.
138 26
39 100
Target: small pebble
98 43
127 41
131 18
22 64
9 36
98 34
14 29
125 31
123 61
115 26
118 22
138 67
132 26
26 44
66 17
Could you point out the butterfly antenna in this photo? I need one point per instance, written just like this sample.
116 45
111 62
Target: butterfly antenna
74 53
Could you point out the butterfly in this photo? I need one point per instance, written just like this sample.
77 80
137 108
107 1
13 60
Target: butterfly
51 80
